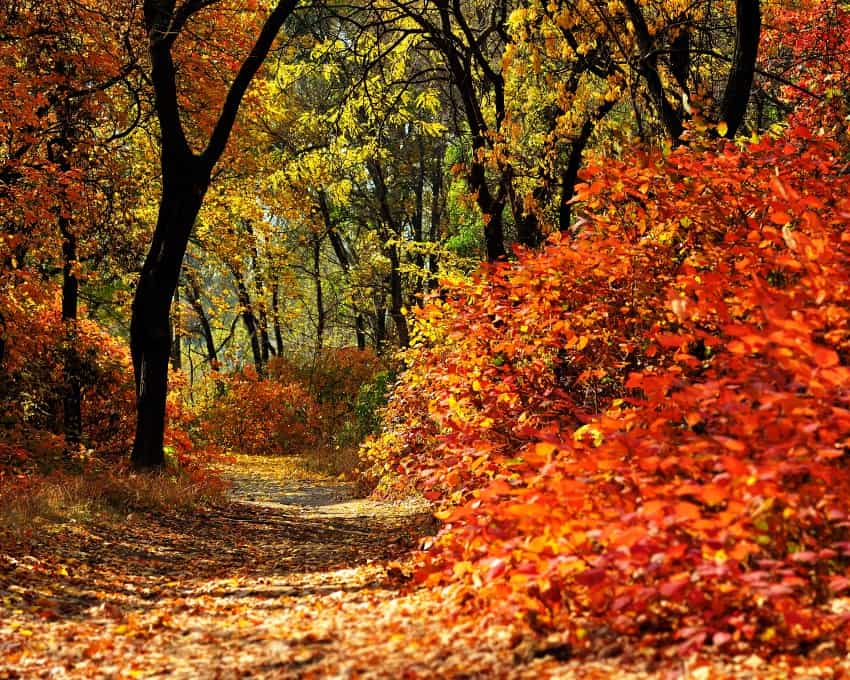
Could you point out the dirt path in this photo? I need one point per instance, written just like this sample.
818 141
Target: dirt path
290 580
294 578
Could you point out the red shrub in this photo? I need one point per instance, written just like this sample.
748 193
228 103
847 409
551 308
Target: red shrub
262 416
647 428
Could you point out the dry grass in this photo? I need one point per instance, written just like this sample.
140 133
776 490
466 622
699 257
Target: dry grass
332 461
62 497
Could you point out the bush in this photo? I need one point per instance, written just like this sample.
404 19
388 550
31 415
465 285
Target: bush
262 416
646 429
31 377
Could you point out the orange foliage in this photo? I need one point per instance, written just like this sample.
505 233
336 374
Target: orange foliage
261 416
334 379
31 376
647 428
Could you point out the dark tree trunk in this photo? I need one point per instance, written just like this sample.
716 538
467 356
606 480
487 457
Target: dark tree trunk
736 96
176 349
346 259
391 231
320 302
437 204
359 331
670 117
260 286
529 232
680 54
59 152
185 182
397 300
203 319
569 176
380 325
491 213
278 334
73 398
419 217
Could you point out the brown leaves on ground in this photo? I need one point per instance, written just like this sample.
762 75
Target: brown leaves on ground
291 579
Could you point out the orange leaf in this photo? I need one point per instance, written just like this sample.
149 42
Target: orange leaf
825 357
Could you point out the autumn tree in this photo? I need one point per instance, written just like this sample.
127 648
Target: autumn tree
186 176
74 73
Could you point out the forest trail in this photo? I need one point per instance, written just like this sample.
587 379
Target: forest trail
293 578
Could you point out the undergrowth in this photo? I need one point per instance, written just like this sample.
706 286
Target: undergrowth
27 502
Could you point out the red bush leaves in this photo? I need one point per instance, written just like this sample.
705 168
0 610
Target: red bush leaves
648 427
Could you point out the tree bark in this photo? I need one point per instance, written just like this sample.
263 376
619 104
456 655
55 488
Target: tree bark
203 320
671 119
150 332
320 301
736 96
569 176
392 230
59 152
278 334
346 259
72 422
260 287
176 350
359 333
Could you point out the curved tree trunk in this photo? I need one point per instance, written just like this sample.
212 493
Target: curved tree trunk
203 319
246 308
185 180
150 331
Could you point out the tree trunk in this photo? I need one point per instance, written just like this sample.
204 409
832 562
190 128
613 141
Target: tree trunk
346 259
250 321
184 186
736 96
419 218
359 331
72 423
260 288
397 300
206 329
176 350
278 334
59 152
380 324
670 117
491 212
185 180
569 177
320 302
437 206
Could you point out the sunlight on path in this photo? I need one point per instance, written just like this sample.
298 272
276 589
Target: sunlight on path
294 578
289 580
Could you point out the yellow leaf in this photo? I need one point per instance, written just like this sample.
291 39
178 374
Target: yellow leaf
722 128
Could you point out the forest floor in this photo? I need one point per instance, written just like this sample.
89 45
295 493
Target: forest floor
292 578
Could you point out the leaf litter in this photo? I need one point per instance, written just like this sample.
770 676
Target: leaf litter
294 577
